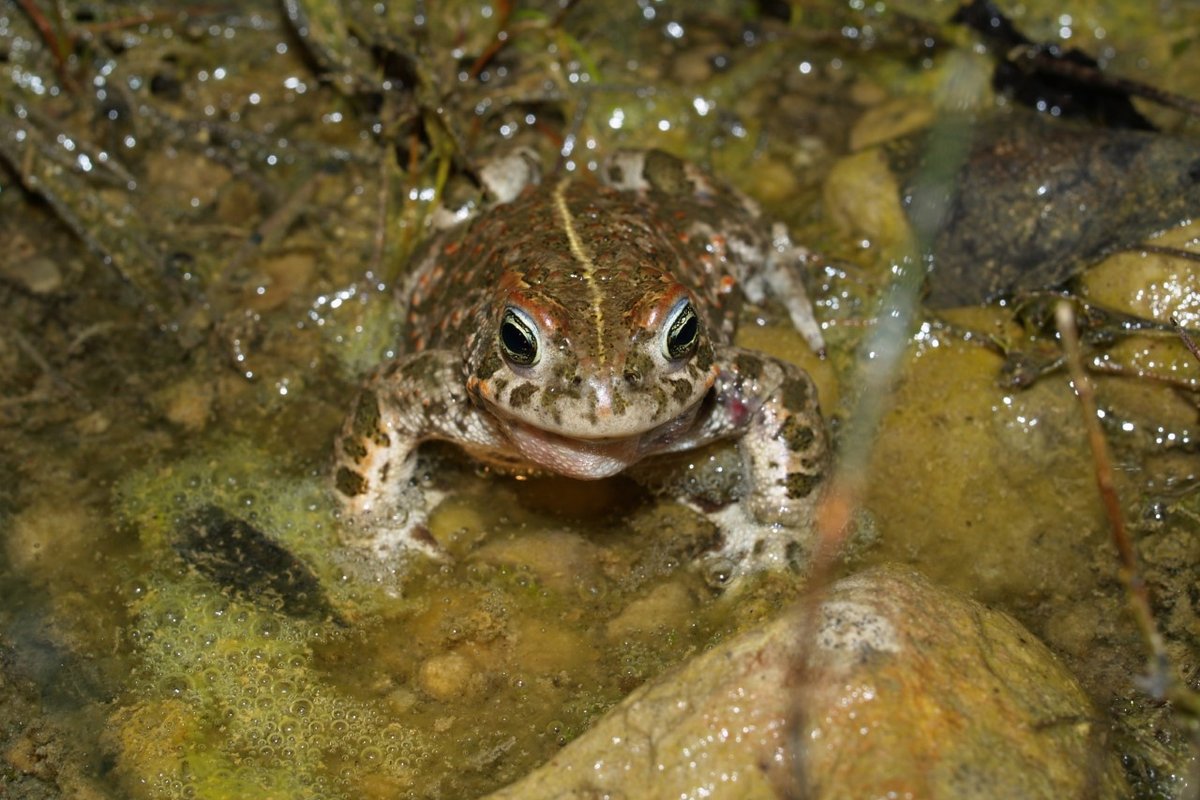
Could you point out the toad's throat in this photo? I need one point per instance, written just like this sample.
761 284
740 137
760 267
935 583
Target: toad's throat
592 458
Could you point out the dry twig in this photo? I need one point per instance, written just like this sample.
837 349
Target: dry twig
1160 683
1052 63
1186 338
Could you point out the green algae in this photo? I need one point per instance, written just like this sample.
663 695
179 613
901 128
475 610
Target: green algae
232 693
235 686
234 681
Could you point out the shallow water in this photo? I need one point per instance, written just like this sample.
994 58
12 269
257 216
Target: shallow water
208 361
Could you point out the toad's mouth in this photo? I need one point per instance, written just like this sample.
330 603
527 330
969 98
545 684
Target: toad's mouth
592 458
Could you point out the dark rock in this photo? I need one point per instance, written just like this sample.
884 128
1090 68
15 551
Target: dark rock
1035 202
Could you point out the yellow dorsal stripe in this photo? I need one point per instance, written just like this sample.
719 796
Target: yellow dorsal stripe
585 261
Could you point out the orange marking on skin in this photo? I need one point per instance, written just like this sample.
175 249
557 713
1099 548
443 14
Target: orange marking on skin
509 280
479 388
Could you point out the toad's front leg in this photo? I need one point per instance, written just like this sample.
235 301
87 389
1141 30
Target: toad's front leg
771 407
403 403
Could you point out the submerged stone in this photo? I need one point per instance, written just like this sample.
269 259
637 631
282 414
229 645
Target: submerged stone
892 686
1028 204
1034 202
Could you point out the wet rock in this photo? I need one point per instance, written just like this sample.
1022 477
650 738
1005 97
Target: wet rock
38 275
560 561
238 202
547 649
36 538
987 531
281 277
188 403
1035 202
862 198
890 120
960 700
1031 206
666 607
185 179
695 65
449 676
1151 284
93 424
898 686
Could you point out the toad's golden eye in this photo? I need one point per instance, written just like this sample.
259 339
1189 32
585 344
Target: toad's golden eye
518 338
682 332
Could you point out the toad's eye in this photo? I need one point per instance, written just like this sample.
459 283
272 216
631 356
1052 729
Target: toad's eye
683 332
518 338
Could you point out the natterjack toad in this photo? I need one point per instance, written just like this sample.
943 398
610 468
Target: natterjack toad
585 326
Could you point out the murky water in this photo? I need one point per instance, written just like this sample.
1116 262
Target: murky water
205 274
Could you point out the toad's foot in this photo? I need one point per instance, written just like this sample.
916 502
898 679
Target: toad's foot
403 403
749 545
770 407
781 278
401 526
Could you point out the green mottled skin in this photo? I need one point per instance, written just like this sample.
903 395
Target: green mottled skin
598 271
